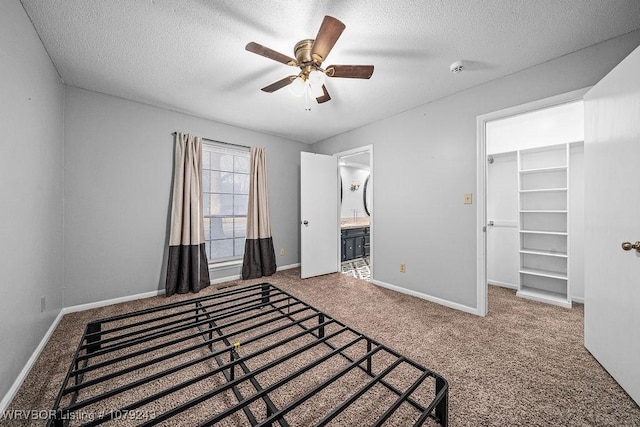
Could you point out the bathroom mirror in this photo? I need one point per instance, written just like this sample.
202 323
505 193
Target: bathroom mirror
366 196
354 170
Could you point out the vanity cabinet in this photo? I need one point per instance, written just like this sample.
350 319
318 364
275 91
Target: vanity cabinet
355 243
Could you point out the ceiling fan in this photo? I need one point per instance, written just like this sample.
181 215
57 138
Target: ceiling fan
309 55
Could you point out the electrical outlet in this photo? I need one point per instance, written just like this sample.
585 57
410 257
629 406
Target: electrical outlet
43 304
468 198
282 252
403 268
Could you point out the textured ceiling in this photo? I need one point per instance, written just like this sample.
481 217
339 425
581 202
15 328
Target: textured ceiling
189 56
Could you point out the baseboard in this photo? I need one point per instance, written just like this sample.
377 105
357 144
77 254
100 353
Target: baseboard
502 284
436 300
288 267
90 305
8 397
225 279
238 277
578 300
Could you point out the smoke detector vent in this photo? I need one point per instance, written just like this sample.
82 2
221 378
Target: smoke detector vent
456 67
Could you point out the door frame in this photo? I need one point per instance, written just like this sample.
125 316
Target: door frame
481 181
348 153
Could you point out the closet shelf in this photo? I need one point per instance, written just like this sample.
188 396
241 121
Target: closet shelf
542 295
544 253
552 233
543 206
543 273
544 190
559 211
544 170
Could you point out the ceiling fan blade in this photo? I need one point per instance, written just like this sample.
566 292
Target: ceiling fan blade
325 97
328 34
350 71
270 53
279 84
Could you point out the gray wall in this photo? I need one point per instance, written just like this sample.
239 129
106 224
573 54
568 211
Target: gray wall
425 160
118 174
31 150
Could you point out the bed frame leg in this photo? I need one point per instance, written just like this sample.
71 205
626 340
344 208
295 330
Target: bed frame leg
369 358
269 413
442 408
321 328
265 293
92 328
58 421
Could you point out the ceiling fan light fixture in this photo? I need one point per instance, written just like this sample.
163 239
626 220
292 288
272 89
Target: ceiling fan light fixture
316 90
316 78
297 86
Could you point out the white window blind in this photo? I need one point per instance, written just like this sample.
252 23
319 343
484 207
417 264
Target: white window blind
225 188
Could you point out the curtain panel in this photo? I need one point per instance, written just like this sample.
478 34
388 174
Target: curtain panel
187 268
259 255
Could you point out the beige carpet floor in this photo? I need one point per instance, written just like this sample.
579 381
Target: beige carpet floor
523 365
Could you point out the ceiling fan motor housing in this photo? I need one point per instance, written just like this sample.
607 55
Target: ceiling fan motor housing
306 60
302 51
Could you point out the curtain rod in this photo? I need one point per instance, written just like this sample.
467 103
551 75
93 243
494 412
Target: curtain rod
220 142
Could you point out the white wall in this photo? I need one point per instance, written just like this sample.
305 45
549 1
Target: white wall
31 177
425 160
118 174
548 126
576 222
352 199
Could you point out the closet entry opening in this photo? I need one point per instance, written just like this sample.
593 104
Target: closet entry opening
356 212
535 203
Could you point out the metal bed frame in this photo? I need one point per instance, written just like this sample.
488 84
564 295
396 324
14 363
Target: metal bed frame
249 332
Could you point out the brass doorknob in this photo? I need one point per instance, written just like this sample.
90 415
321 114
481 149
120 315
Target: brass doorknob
627 246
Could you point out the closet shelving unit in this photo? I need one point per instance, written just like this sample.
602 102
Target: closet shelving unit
543 201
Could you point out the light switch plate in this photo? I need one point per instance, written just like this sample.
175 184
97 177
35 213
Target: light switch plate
468 198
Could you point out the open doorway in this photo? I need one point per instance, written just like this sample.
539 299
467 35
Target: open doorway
356 212
530 208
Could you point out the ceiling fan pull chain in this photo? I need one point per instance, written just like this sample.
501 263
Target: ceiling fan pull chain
307 104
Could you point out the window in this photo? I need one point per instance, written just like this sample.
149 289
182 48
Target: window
225 193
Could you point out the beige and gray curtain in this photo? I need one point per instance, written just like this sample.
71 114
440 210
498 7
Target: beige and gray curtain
259 256
187 268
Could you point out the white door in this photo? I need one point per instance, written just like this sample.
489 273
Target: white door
503 240
319 225
612 216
